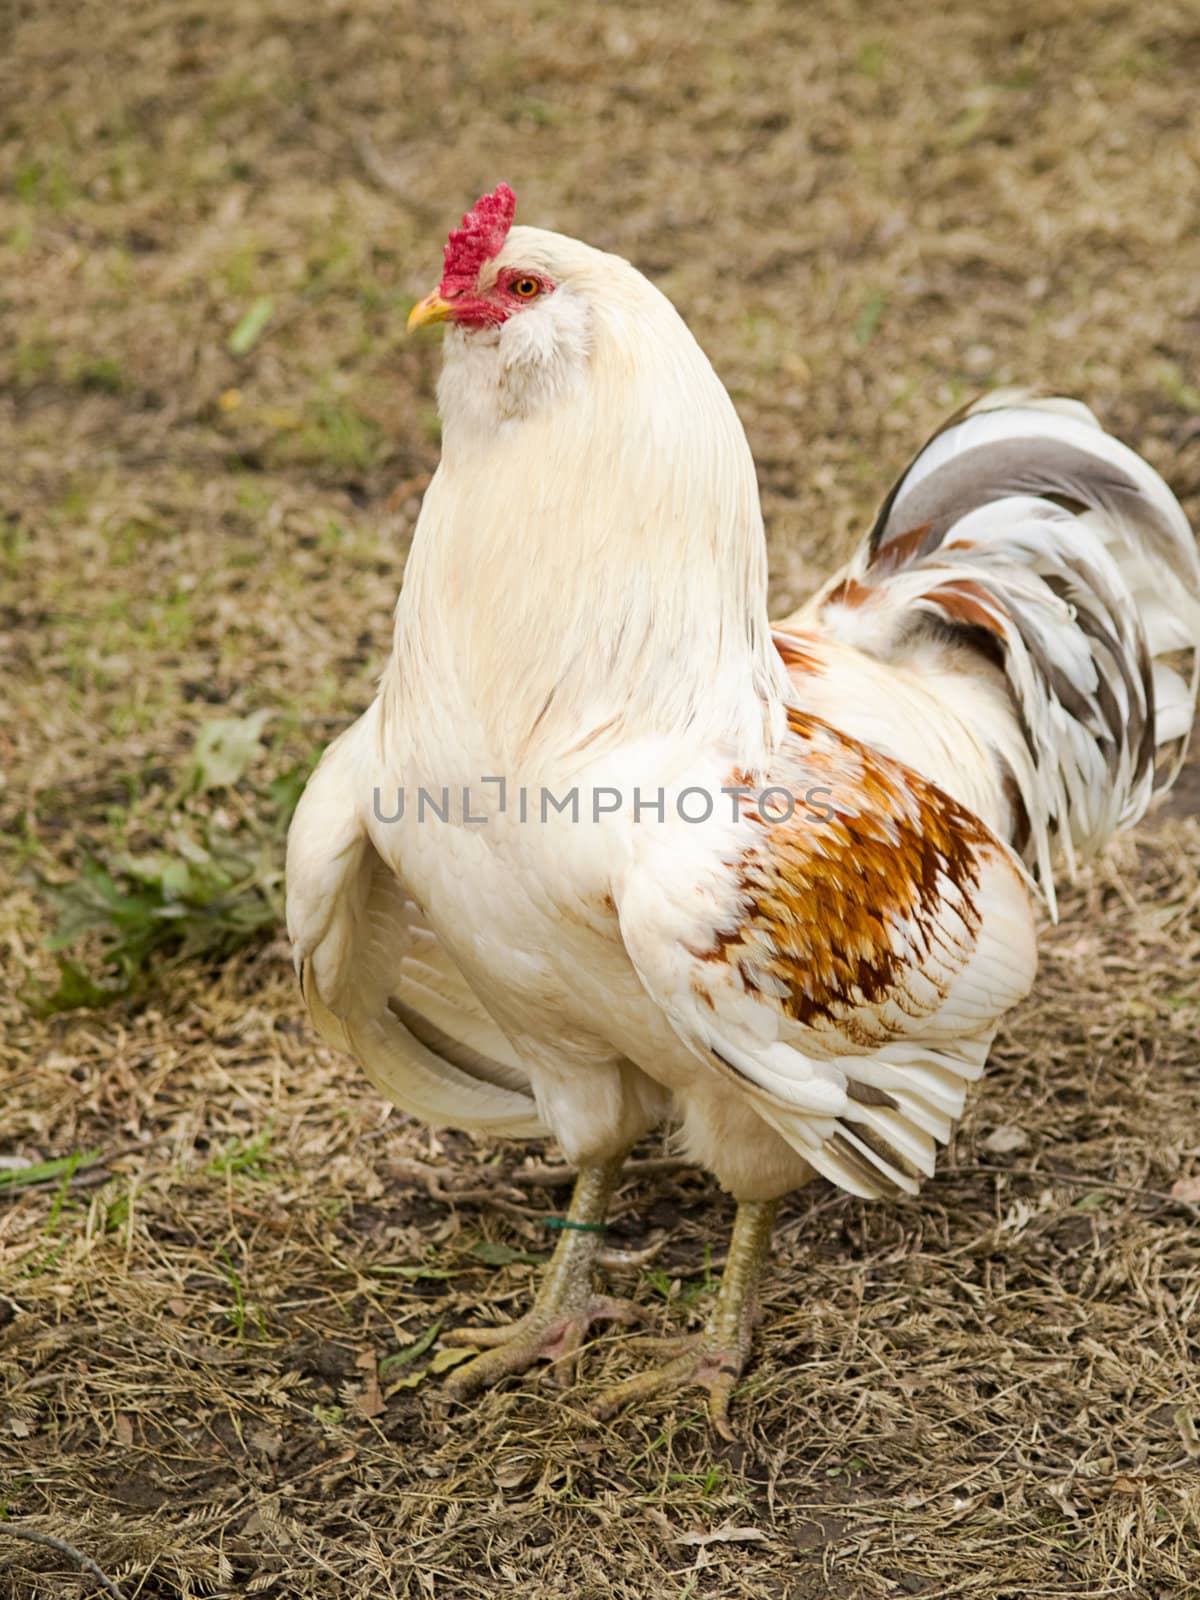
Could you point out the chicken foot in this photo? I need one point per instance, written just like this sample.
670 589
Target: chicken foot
566 1305
714 1358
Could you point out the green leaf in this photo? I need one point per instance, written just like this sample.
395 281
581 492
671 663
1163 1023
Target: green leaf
970 121
502 1255
442 1361
453 1356
869 317
870 59
411 1272
76 988
250 329
401 1358
411 1382
45 1171
286 789
224 749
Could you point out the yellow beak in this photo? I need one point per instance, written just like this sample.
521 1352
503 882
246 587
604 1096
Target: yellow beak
432 309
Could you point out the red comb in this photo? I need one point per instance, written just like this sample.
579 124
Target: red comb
483 232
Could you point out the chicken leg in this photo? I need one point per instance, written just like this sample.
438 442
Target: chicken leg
566 1305
714 1358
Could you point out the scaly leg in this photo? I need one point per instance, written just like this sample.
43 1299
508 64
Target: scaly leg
714 1358
566 1305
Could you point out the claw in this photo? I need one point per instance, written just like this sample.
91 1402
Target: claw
612 1259
715 1358
545 1335
705 1366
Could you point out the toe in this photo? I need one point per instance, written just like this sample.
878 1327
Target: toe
643 1386
664 1345
607 1308
486 1338
700 1366
720 1392
473 1377
538 1336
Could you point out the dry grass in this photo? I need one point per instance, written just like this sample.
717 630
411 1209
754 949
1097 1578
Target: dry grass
865 211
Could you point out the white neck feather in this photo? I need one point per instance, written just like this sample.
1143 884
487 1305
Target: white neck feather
589 565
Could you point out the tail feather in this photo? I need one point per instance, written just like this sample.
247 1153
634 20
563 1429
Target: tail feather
1026 542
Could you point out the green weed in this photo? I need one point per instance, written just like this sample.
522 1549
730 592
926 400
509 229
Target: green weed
211 887
245 1158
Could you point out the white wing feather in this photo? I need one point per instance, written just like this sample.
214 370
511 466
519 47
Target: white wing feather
847 976
377 982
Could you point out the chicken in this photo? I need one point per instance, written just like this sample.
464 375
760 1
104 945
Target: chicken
607 852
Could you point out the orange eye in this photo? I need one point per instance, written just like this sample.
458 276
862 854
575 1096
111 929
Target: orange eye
525 287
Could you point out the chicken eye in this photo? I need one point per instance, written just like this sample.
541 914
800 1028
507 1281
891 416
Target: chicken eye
525 287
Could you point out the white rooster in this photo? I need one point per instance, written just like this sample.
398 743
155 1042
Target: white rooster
608 852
